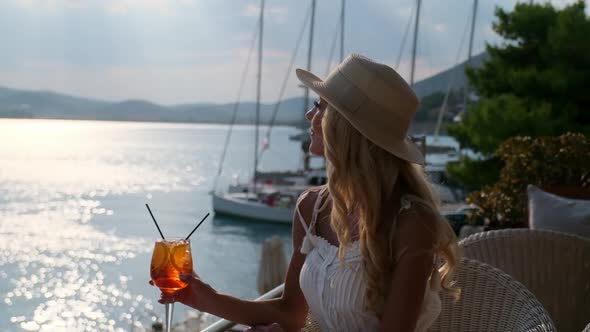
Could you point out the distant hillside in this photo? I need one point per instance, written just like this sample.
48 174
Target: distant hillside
432 93
50 105
440 81
45 104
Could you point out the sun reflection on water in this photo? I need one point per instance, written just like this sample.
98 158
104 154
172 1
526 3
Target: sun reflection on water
53 260
61 271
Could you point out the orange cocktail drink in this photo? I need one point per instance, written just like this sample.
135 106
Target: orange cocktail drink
170 259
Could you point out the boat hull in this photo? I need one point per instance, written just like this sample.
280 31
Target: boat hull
243 208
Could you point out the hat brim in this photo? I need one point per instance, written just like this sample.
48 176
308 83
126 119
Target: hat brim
404 149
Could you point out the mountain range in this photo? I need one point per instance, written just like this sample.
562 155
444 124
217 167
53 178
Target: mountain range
50 105
16 103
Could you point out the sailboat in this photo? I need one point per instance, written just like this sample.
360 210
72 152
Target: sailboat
270 196
438 150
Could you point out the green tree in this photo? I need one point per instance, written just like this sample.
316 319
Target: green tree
535 83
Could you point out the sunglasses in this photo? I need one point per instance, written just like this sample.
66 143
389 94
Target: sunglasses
318 104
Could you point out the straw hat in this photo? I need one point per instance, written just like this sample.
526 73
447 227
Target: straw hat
374 99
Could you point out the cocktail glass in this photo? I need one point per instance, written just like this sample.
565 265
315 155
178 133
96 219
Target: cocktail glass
170 259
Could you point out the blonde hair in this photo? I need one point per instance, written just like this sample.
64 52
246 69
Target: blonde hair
369 181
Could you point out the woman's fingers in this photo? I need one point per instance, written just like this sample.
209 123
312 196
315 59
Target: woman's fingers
165 301
274 327
189 277
186 277
167 298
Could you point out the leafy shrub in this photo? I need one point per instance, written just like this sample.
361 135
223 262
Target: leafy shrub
542 161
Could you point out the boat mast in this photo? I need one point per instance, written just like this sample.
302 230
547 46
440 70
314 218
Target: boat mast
342 30
309 53
305 143
472 30
466 90
416 24
443 108
258 82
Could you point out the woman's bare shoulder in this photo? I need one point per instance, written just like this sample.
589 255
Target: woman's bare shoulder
303 214
418 208
306 202
417 224
314 190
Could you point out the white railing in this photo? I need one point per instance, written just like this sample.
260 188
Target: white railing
223 325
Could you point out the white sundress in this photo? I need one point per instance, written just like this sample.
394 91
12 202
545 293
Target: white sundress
335 292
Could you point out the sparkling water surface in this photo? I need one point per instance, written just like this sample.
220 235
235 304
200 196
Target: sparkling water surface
76 239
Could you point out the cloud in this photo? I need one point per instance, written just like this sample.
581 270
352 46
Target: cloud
113 7
277 13
400 8
440 27
238 54
251 10
202 81
404 12
50 5
201 59
122 7
267 53
242 37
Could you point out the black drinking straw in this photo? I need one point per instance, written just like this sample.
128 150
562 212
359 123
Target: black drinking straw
155 222
194 229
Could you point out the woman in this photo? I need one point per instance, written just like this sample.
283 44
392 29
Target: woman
366 245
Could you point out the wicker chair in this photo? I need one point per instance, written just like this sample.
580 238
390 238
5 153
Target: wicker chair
554 266
490 300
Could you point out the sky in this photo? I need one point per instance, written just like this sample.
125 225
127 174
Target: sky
192 51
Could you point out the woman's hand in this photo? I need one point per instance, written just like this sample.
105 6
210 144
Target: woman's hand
201 296
274 327
196 295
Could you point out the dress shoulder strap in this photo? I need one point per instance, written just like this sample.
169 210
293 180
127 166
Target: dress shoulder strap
317 207
298 211
307 244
